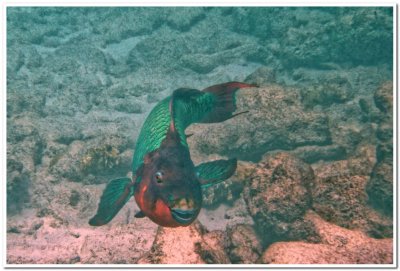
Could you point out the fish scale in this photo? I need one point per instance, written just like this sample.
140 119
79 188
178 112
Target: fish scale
153 132
186 114
157 123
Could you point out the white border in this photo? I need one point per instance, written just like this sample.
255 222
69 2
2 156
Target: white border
72 3
193 3
395 116
3 135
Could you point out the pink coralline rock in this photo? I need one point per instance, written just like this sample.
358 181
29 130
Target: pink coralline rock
211 248
187 245
338 246
49 240
278 195
345 183
175 246
243 245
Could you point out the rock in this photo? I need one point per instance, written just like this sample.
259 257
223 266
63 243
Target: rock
68 165
363 160
69 68
259 21
340 194
329 36
123 244
15 60
112 244
18 186
126 22
211 249
25 143
201 63
89 161
99 159
276 121
261 77
338 246
383 97
336 89
175 246
20 57
384 134
225 215
20 100
378 225
380 188
25 147
186 245
380 185
341 199
243 244
188 52
126 105
205 63
182 18
74 198
312 154
278 194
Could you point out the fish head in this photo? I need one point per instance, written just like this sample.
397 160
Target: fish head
169 192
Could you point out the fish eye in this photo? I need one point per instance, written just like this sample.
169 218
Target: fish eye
159 176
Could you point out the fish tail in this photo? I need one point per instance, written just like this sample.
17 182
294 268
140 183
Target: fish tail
225 101
213 104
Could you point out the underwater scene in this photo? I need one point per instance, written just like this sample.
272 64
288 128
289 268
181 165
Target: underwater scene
199 135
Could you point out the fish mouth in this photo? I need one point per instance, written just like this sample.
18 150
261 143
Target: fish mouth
183 216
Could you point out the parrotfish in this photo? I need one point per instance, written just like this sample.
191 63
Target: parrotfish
167 186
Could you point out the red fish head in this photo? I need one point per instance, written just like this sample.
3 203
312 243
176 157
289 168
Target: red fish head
169 192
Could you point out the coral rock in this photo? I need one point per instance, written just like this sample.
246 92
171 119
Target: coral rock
175 246
243 245
338 246
340 194
211 249
383 97
278 194
276 120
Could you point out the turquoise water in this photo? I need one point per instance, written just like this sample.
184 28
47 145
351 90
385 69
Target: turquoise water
81 81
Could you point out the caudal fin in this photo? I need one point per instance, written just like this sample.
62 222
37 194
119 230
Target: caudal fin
225 103
114 197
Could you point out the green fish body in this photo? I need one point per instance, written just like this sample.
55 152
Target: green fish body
166 184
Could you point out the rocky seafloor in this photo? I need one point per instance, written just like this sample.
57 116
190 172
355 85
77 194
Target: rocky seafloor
314 182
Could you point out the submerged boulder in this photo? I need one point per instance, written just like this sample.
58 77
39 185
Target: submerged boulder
53 240
243 244
276 121
340 195
380 185
338 246
186 245
211 248
278 195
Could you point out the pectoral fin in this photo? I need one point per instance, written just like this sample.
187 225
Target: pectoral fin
214 172
114 197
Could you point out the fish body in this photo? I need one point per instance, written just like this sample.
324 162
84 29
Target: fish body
167 186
